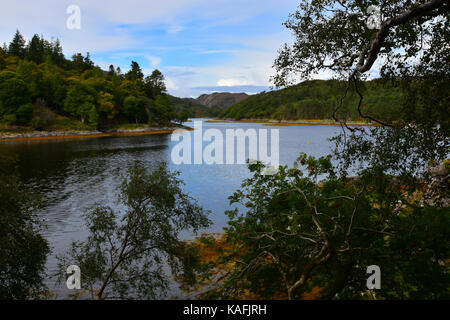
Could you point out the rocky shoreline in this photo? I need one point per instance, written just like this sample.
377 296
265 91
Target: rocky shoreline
300 122
42 135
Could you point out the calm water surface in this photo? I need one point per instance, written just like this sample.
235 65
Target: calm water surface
73 175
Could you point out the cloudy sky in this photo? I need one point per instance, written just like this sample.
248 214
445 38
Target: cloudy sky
199 45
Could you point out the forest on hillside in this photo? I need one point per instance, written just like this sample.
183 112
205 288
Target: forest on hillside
317 99
41 89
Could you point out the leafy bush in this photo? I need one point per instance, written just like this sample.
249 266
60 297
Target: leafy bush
23 250
305 232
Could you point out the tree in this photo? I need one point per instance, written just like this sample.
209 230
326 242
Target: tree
334 35
13 94
297 238
24 114
162 110
125 252
106 105
23 250
111 71
31 75
35 50
135 72
17 46
154 84
409 44
76 87
182 116
93 116
81 63
57 55
80 101
6 75
133 108
298 235
2 60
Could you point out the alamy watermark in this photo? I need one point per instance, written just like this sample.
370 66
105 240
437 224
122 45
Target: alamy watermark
74 280
190 150
374 20
374 280
73 22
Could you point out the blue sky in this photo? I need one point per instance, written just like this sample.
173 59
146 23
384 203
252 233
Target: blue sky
200 45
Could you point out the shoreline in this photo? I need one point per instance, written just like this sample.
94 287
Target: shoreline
60 135
302 122
69 134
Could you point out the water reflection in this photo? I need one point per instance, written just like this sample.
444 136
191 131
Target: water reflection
73 175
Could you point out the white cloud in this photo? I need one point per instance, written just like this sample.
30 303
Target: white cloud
170 85
114 31
155 61
174 28
216 51
232 82
250 66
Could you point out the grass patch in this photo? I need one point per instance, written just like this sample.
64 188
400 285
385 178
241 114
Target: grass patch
130 126
67 124
11 129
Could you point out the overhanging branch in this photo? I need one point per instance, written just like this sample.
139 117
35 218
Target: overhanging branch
431 9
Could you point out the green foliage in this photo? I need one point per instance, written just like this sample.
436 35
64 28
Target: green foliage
125 253
9 119
2 62
24 114
135 72
106 106
162 111
13 94
23 250
80 100
182 117
76 87
17 46
154 84
411 97
64 123
193 109
134 108
29 73
80 63
297 233
316 100
93 116
6 75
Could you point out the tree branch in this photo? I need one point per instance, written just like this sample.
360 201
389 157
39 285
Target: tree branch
426 9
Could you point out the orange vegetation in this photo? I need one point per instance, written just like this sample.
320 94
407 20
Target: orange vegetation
85 136
307 122
211 251
288 124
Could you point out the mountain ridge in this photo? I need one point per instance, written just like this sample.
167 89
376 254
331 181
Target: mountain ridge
221 99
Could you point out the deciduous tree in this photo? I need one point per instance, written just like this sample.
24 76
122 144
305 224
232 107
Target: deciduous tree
126 251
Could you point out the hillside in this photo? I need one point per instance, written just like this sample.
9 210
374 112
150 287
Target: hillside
40 89
191 108
316 100
221 99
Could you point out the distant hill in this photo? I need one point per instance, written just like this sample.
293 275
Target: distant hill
316 100
191 107
221 99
